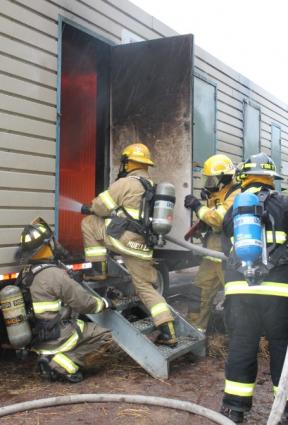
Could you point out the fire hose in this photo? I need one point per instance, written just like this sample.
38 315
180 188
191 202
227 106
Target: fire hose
199 250
186 406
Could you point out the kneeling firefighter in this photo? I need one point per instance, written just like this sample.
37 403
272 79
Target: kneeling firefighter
219 191
64 344
256 282
118 221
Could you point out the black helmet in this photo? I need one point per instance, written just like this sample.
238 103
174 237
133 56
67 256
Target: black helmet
32 239
257 165
40 220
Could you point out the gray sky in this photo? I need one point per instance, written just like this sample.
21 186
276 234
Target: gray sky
250 36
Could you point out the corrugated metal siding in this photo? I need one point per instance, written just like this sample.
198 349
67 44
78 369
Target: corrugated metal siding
28 77
232 90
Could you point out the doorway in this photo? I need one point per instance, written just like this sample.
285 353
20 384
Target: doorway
84 129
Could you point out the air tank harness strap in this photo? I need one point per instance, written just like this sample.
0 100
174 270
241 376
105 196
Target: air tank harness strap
135 221
147 197
27 274
42 330
146 208
257 210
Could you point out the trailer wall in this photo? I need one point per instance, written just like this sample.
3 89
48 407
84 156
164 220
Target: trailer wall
29 101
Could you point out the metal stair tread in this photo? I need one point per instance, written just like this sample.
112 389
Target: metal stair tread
184 344
125 302
144 325
133 336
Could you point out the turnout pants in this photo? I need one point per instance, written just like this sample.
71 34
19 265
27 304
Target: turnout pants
248 317
209 279
68 353
142 270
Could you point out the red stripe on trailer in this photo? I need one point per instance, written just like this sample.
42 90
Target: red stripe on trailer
76 267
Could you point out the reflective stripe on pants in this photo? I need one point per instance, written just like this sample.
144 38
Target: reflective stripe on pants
238 388
65 363
68 345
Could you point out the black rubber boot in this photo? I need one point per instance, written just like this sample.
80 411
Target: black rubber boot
167 335
234 415
74 378
46 372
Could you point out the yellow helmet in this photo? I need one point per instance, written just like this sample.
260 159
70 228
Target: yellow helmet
218 170
218 165
137 152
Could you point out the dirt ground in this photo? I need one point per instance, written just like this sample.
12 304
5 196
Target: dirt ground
196 380
191 379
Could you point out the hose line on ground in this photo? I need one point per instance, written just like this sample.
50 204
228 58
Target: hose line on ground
119 398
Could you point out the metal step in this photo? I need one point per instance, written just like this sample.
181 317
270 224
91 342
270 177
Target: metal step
132 338
145 326
126 302
184 345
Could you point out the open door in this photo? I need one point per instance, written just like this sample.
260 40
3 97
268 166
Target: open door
152 89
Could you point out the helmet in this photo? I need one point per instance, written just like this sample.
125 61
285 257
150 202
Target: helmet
137 152
33 237
217 169
218 165
40 220
258 165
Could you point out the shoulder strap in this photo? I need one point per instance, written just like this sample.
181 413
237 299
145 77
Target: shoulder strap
148 195
146 183
263 195
27 274
231 190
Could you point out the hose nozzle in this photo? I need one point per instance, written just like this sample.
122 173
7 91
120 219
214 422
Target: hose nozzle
86 210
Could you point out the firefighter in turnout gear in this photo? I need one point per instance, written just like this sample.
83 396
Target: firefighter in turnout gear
113 225
63 343
258 307
219 191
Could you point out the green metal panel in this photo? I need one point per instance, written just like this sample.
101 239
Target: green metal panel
251 130
204 133
276 150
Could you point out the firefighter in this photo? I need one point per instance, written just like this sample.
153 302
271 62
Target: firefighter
219 191
63 344
114 224
259 306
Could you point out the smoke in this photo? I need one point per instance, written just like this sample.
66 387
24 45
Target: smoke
68 204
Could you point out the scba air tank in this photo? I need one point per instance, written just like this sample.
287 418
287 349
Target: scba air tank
15 318
164 203
247 228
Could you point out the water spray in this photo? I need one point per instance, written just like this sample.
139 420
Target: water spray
69 204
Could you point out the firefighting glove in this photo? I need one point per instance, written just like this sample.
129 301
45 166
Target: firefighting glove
192 203
86 210
103 304
204 194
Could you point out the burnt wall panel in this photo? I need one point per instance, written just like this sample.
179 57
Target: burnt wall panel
151 103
